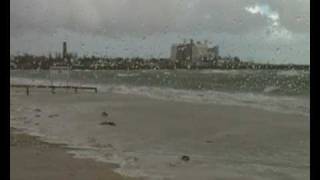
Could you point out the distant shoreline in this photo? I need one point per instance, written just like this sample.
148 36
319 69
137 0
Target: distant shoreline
101 63
222 67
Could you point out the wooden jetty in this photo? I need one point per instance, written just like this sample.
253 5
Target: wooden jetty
53 87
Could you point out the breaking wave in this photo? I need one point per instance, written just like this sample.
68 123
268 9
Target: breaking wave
283 104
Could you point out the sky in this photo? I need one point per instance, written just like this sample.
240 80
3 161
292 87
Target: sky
273 31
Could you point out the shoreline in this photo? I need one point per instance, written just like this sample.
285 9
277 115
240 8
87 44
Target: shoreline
32 158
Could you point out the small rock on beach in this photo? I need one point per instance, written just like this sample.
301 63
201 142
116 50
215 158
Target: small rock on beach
53 115
37 110
105 114
185 158
108 123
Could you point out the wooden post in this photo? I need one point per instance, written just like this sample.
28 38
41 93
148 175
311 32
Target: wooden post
76 90
27 88
96 90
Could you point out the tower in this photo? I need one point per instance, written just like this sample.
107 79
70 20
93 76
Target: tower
64 50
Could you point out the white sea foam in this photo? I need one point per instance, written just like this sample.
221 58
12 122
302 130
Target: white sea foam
230 72
291 73
127 74
284 104
269 89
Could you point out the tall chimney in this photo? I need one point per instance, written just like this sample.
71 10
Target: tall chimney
64 50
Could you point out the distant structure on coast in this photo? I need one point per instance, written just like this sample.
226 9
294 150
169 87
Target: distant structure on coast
62 67
193 54
64 51
65 56
65 62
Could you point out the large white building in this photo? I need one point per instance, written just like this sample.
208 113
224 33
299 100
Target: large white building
193 54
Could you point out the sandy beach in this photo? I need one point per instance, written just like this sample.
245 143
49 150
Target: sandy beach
30 158
150 136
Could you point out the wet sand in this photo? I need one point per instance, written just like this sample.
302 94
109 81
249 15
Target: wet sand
32 159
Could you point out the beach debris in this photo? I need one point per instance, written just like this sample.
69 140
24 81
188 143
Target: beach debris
37 115
104 114
37 110
185 158
53 115
110 123
209 141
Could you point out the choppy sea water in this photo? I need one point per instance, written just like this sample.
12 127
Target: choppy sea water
285 91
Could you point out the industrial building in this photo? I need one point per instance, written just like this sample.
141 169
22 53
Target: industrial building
193 54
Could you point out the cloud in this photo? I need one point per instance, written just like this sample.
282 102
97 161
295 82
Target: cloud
263 10
138 17
274 29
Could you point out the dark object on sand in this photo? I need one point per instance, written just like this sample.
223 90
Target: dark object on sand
53 115
37 115
185 158
104 114
108 123
37 110
209 141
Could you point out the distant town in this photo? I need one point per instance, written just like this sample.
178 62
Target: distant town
186 55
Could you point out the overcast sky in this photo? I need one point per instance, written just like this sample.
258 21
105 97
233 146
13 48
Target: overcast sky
275 31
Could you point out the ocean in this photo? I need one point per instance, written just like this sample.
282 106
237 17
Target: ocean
275 90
